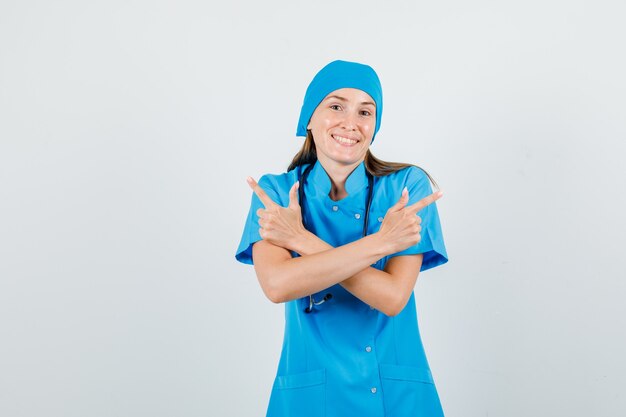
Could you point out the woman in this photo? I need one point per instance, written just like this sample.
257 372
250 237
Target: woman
340 239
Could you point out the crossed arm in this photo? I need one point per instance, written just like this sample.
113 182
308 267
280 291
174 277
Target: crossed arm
320 266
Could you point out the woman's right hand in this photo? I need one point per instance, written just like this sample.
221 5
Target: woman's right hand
281 226
401 226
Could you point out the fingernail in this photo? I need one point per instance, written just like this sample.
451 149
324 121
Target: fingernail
249 179
404 191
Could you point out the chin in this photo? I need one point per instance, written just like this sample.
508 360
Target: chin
348 160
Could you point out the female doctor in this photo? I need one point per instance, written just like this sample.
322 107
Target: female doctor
340 239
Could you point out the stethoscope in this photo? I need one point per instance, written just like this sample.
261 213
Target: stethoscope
301 196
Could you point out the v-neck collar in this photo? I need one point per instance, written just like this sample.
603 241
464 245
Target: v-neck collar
319 179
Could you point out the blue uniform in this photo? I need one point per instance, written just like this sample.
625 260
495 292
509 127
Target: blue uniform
346 358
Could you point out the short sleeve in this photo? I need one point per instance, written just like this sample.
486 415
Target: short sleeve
431 243
250 233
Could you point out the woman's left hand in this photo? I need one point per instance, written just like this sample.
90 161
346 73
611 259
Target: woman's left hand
281 226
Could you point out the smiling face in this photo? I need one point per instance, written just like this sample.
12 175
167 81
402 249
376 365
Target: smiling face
343 126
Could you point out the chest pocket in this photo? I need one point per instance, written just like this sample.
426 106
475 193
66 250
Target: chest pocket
302 395
409 391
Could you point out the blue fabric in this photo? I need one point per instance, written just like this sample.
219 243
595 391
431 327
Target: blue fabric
334 357
336 75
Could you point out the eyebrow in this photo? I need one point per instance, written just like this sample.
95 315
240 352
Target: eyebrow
345 99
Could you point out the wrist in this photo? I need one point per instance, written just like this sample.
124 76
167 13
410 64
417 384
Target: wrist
299 242
383 246
307 243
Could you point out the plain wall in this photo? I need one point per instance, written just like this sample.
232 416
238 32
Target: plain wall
127 129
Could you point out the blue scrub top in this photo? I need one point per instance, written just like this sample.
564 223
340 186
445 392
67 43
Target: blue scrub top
346 358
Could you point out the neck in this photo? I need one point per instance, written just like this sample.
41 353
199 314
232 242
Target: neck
338 174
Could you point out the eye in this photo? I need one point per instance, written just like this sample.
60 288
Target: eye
365 113
335 106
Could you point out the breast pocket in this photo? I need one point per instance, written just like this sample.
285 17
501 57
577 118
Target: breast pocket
409 392
302 394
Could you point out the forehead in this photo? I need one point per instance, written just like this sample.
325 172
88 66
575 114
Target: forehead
351 95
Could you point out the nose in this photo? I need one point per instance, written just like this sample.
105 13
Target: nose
349 121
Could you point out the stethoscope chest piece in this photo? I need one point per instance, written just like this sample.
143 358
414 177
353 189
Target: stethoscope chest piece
312 302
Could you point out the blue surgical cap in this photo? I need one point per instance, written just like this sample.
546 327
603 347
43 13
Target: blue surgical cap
336 75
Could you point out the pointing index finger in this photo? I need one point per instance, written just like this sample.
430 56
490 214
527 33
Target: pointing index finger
265 199
415 207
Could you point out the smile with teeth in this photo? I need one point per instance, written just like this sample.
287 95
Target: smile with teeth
343 140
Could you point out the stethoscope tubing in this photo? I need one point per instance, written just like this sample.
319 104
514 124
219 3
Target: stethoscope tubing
302 200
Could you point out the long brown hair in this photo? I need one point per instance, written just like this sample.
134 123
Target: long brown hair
377 167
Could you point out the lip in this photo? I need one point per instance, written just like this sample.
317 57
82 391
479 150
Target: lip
347 137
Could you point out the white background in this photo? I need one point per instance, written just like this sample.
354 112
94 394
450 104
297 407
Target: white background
127 129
